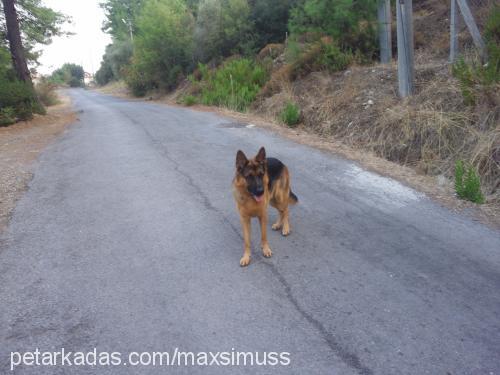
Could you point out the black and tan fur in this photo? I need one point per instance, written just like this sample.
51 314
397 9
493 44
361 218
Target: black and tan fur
259 182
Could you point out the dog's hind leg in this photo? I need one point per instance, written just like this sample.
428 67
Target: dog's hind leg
245 224
279 222
285 231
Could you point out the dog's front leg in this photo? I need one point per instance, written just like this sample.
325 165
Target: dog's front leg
266 250
245 224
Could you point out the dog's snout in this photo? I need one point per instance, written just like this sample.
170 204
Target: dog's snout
259 191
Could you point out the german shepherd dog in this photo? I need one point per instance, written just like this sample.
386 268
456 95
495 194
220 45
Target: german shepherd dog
259 182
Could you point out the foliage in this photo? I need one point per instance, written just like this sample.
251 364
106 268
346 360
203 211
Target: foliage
467 183
46 92
290 114
316 56
223 27
136 80
270 20
38 24
491 72
121 17
475 75
332 58
233 85
69 74
351 23
17 99
7 116
466 76
163 46
116 57
189 100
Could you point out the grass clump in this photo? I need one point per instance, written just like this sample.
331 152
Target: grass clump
290 114
234 85
189 100
46 92
475 75
467 183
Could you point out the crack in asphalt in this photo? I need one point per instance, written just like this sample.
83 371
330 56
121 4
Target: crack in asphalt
349 358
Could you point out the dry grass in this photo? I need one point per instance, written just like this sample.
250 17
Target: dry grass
428 132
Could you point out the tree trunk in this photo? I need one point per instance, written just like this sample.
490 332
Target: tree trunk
15 42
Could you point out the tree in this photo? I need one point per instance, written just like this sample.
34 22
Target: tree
270 19
223 27
115 59
69 74
37 25
121 17
15 42
163 46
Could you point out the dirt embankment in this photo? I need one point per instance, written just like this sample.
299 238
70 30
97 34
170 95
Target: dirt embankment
20 145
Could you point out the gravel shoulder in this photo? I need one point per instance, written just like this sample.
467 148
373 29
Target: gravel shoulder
20 145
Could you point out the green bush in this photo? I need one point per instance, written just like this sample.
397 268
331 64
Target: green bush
233 85
351 23
189 100
332 58
491 72
475 74
68 74
7 116
18 101
290 114
136 80
467 183
467 80
316 56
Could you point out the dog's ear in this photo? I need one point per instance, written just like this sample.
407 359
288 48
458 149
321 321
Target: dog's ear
261 155
241 160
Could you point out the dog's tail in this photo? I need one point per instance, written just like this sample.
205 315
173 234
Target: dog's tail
292 198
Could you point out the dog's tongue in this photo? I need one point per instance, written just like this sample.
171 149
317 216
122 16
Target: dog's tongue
259 199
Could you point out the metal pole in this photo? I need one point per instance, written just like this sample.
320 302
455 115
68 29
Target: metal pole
406 71
474 31
453 32
385 39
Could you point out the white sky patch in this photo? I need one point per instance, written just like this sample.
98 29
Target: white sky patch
383 193
86 46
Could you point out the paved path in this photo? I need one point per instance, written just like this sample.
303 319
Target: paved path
128 240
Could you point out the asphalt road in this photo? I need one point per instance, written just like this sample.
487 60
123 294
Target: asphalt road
128 240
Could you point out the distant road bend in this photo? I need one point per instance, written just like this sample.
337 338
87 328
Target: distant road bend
128 240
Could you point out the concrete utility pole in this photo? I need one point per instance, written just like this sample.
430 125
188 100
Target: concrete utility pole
406 71
453 32
385 38
474 31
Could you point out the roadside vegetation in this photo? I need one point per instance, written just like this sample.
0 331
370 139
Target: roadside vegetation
31 24
313 64
71 75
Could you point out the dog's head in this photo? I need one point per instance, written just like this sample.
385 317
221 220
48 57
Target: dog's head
253 172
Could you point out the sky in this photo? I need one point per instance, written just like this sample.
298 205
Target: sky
86 46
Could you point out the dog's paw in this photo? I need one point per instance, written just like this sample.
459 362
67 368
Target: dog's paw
285 232
266 251
245 261
276 226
